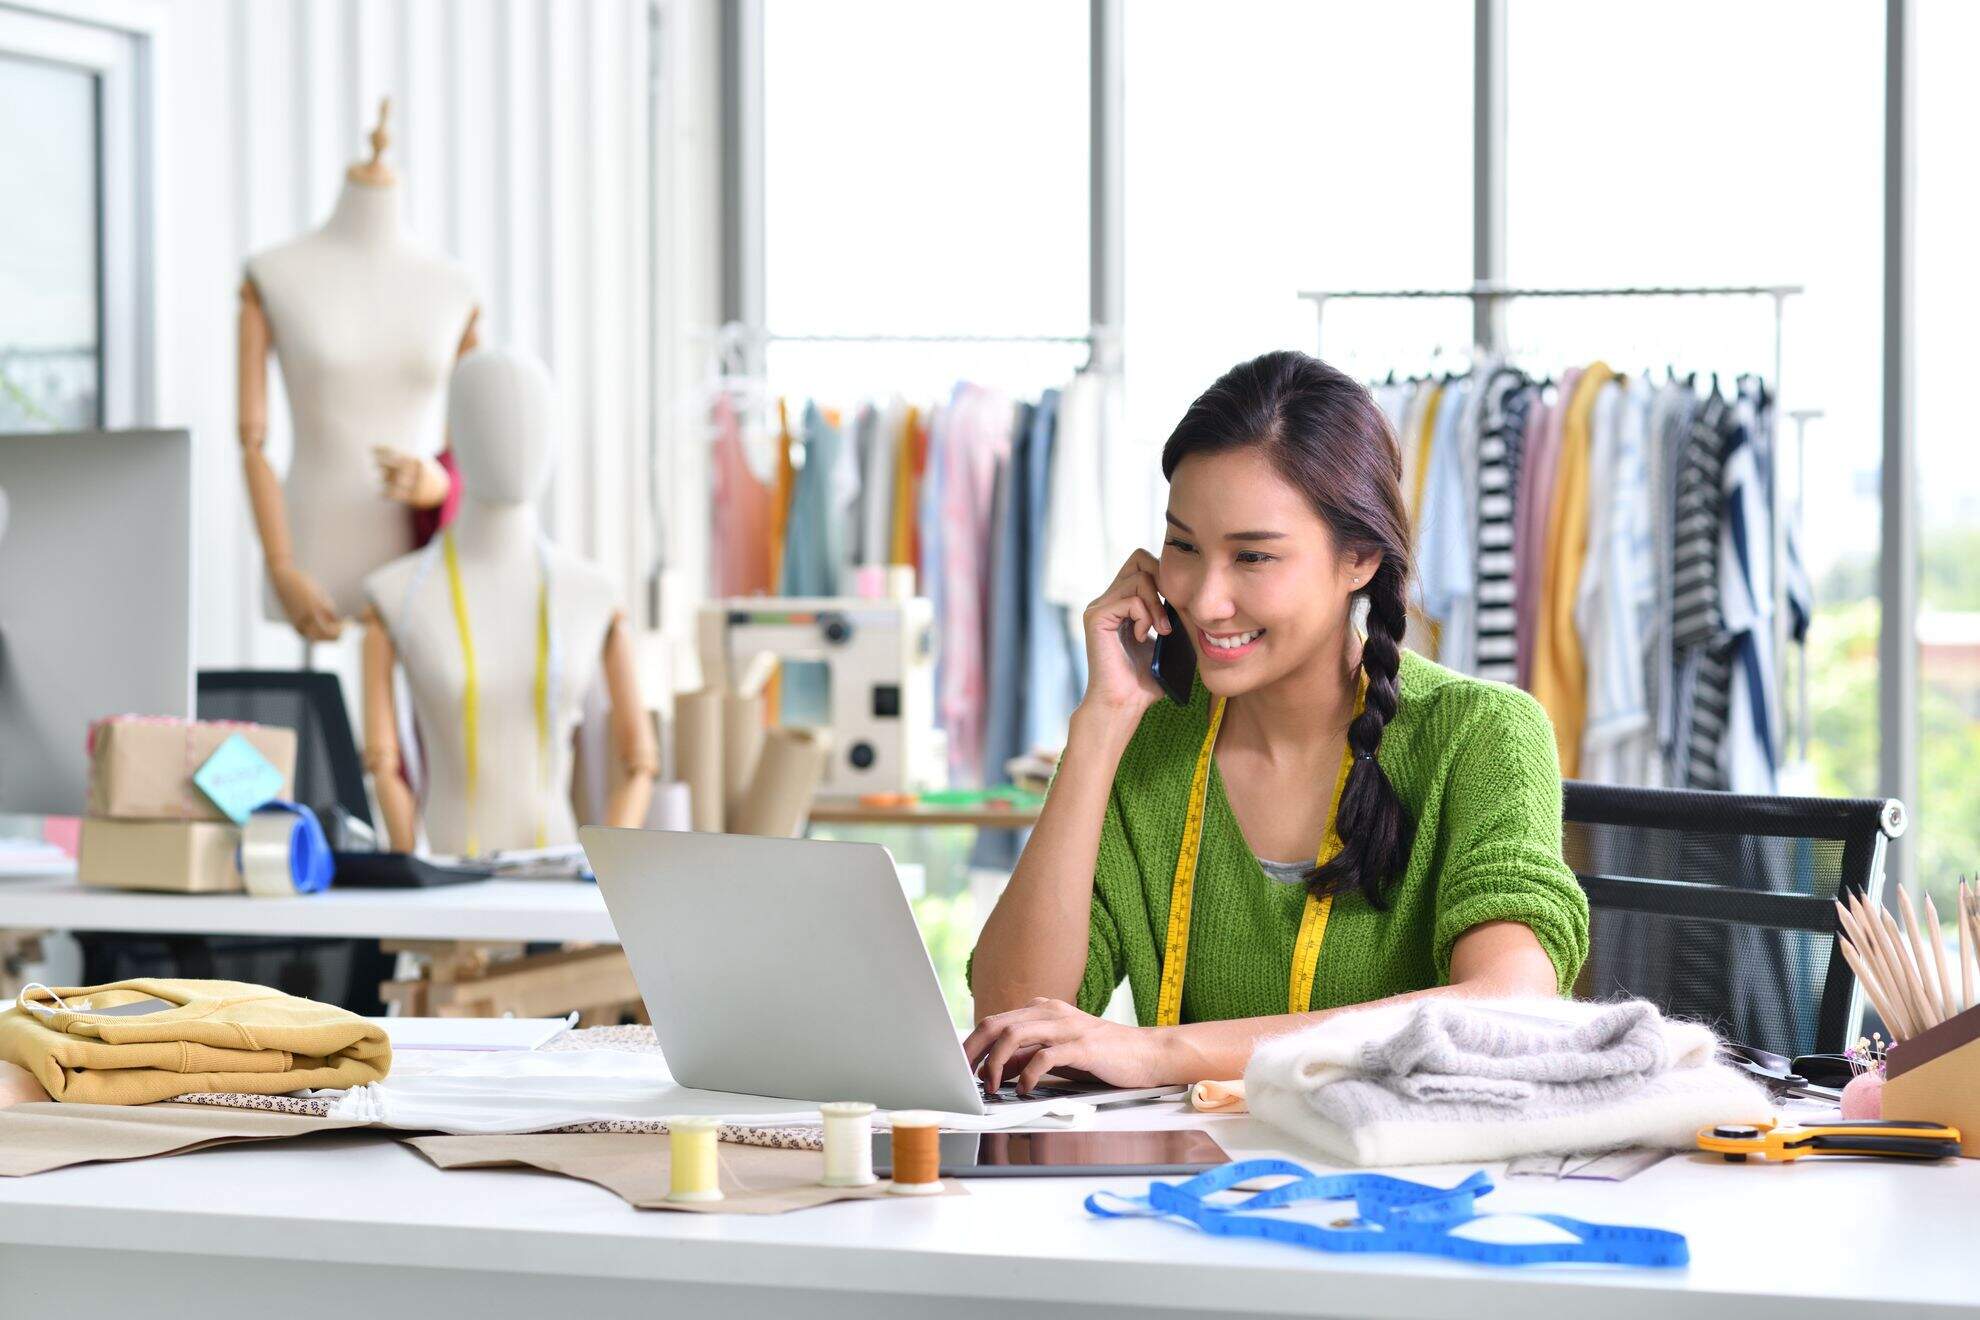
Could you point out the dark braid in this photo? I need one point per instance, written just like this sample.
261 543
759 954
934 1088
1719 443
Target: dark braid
1327 436
1375 830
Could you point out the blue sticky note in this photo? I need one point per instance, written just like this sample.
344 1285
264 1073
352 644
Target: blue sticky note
238 779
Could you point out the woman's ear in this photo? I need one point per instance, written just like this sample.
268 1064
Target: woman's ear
1360 568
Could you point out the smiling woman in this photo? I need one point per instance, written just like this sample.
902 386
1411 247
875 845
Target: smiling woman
1429 802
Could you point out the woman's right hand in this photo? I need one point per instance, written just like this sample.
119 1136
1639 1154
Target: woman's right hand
1117 678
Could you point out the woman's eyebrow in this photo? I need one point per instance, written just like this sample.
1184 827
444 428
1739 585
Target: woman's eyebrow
1182 526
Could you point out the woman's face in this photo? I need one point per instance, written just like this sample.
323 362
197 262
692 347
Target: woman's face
1252 570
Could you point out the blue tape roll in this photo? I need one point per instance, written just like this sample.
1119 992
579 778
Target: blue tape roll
296 852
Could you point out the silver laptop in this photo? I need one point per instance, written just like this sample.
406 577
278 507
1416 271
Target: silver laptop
792 968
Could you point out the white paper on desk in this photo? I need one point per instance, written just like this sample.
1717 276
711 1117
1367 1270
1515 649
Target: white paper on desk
505 1091
429 1033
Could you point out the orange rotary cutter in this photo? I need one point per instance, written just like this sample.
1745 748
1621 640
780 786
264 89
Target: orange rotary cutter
1844 1136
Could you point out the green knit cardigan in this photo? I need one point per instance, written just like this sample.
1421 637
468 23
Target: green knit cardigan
1475 765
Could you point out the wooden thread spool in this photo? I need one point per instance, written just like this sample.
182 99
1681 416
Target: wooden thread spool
848 1144
691 1175
917 1154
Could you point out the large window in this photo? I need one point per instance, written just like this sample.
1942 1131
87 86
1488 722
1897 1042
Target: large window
50 331
75 279
1280 145
1706 144
925 173
1948 284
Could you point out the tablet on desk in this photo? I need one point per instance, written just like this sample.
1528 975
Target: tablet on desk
1066 1154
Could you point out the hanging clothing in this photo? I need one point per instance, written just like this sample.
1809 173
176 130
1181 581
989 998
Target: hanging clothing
1509 399
979 440
1004 640
911 463
1748 757
1618 600
1054 641
744 512
1444 541
814 557
1530 537
1560 673
1703 671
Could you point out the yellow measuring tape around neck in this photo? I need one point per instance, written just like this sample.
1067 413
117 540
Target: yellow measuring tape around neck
471 693
1182 892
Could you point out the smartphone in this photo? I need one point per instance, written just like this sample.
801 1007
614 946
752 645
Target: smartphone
1168 657
1066 1154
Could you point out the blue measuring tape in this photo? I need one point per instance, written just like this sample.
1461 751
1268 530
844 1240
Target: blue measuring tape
1392 1214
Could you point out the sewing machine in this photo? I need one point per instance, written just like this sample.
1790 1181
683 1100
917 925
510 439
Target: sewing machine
880 655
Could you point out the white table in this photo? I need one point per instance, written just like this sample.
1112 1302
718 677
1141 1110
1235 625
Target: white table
358 1225
553 911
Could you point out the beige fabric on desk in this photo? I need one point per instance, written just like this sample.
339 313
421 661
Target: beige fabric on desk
1218 1097
42 1135
216 1036
755 1180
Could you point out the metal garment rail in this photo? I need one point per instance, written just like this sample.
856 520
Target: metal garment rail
1487 291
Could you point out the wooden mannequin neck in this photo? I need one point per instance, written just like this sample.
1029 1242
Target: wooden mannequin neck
366 214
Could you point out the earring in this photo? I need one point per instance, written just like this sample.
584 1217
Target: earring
1358 617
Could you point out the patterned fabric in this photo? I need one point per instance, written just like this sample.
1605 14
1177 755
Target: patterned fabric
631 1039
1703 654
1509 397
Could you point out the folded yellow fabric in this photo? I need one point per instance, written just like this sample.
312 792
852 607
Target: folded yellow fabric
213 1036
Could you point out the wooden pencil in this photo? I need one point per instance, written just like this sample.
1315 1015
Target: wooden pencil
1871 919
1895 1012
1900 955
1947 990
1887 966
1969 936
1872 989
1920 957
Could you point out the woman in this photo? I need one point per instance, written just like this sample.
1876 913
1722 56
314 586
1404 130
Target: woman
1430 801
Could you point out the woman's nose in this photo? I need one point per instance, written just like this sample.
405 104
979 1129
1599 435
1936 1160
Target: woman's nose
1207 600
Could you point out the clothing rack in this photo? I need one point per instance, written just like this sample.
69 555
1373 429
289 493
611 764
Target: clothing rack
1493 293
737 337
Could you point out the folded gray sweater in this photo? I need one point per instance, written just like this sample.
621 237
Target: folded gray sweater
1443 1080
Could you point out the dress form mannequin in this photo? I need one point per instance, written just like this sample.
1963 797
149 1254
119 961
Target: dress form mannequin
366 323
514 792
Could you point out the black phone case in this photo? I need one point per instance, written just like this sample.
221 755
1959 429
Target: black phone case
1174 665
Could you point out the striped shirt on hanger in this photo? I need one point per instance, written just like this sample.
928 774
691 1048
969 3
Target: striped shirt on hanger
1508 398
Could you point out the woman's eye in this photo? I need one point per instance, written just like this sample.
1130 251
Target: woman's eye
1254 557
1181 545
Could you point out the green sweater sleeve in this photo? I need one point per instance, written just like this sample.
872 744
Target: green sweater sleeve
1114 870
1502 855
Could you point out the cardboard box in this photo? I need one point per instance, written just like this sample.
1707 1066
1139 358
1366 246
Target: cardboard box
142 768
1935 1076
178 856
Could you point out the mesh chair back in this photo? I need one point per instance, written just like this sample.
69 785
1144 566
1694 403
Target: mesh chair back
328 768
1719 907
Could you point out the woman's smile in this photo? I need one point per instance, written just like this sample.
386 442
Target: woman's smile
1229 646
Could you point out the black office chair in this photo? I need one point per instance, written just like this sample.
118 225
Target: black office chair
328 768
1720 907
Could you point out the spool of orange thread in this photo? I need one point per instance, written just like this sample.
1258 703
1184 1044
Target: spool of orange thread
917 1154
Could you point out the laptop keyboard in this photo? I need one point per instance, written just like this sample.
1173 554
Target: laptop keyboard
1008 1093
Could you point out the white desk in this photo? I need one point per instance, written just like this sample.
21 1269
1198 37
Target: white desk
556 911
359 1225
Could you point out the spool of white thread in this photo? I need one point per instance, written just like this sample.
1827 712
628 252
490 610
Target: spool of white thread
848 1144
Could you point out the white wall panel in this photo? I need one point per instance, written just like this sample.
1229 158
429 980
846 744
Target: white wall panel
521 135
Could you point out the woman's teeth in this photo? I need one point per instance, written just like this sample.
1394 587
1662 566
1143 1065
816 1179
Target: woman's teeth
1234 643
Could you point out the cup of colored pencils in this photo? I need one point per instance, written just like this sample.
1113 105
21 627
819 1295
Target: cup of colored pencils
1903 968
